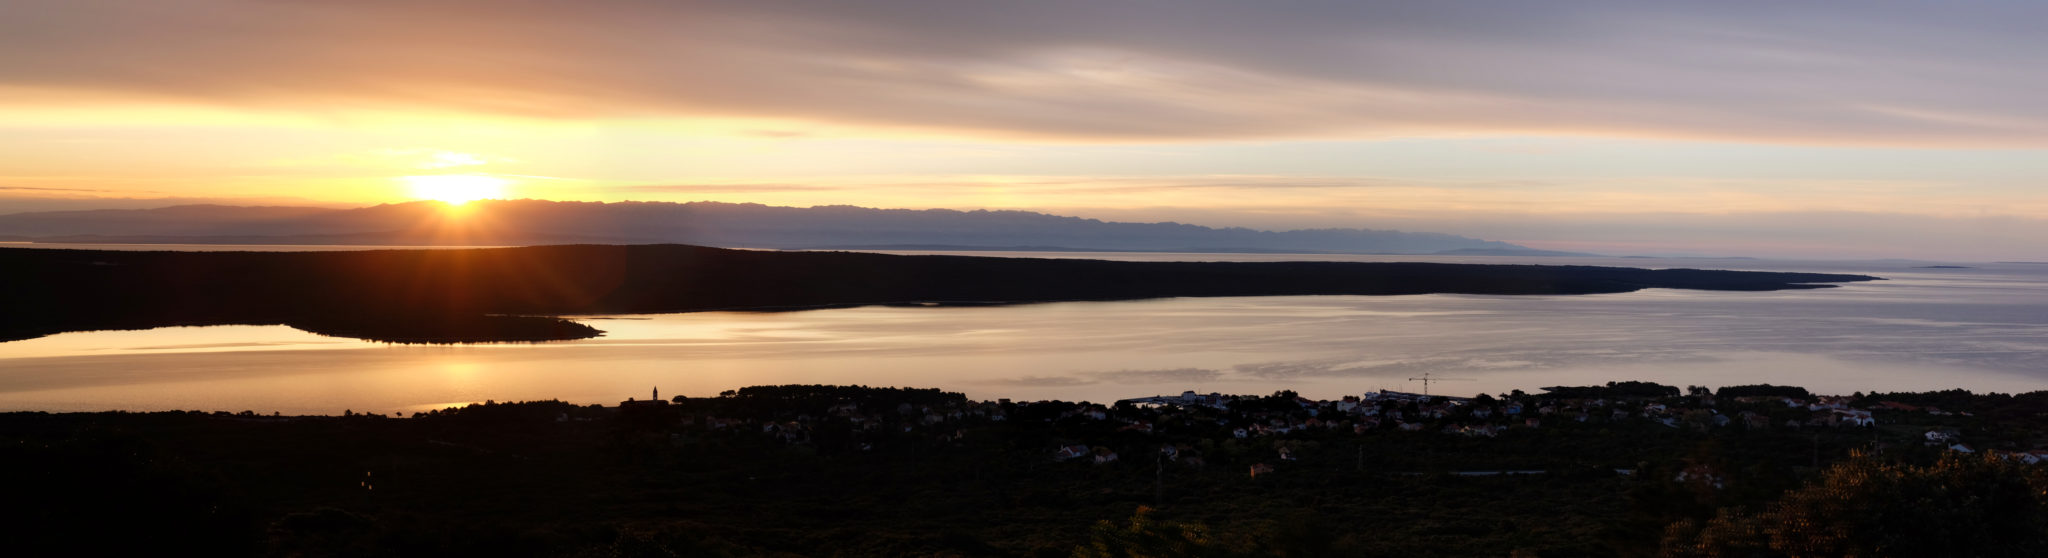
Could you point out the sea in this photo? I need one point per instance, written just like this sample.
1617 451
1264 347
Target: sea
1927 326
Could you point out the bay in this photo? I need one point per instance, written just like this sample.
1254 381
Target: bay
1983 328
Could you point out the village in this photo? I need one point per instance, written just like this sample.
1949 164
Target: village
1263 434
1604 470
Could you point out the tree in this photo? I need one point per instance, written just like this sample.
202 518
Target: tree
1959 506
1144 537
1762 390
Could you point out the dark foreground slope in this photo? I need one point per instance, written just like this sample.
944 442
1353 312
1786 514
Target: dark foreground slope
854 471
498 294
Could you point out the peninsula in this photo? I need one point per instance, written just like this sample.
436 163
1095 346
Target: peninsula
515 294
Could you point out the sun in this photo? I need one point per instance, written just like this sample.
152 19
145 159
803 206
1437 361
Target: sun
456 189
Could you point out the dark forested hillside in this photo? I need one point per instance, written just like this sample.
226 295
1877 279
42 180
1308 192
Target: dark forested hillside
856 471
494 294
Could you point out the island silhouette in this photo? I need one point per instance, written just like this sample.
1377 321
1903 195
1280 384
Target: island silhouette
517 294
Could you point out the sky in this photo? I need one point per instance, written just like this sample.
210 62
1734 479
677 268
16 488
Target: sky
1773 129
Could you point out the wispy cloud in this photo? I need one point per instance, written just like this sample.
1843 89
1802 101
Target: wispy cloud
1037 381
1167 376
1885 72
722 188
36 189
779 134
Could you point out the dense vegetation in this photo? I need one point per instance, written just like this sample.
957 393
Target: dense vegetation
849 470
1958 506
504 294
1637 390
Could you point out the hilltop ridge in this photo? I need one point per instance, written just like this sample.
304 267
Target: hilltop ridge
732 225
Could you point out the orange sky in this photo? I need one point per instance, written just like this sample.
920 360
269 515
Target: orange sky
1654 128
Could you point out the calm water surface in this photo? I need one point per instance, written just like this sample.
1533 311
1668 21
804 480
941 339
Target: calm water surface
1984 328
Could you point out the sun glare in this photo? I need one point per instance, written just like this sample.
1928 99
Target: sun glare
456 189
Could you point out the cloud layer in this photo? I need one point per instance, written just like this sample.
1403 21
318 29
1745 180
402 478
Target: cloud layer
1891 73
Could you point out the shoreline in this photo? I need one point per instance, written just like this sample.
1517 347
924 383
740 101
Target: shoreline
497 295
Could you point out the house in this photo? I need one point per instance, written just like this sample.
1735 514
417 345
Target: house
1829 403
2021 456
1261 469
1853 417
1104 455
1069 452
1403 397
1286 454
1185 399
1702 476
1942 436
1475 431
1261 430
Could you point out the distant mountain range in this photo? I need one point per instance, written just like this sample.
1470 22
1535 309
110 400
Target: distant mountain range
538 222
